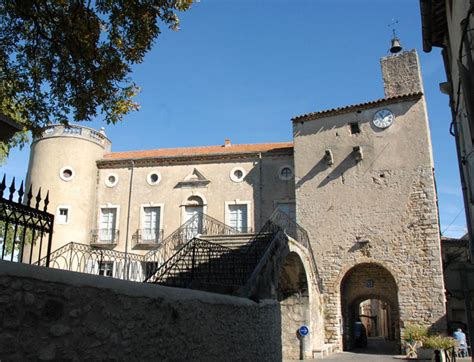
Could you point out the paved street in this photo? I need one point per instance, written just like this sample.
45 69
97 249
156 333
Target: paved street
377 350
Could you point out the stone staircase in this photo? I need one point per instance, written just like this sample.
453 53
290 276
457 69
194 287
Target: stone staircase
235 242
244 265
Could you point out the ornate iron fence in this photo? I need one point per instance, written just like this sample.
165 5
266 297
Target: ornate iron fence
84 259
26 230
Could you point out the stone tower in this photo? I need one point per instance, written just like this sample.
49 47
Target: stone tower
63 161
365 192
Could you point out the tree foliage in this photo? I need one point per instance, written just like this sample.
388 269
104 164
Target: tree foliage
70 60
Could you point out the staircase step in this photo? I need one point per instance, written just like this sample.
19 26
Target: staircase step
235 241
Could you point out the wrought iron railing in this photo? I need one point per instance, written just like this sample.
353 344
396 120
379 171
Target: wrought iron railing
244 229
105 237
200 263
147 238
199 224
84 259
298 233
25 230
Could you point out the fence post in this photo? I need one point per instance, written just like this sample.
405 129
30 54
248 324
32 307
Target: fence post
50 242
193 259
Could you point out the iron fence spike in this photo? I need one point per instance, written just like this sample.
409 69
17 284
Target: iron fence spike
20 193
29 195
3 186
46 201
12 189
38 198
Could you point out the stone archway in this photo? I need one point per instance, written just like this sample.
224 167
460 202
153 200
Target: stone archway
368 281
293 295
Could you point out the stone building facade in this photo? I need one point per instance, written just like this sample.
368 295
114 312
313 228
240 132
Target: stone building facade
359 179
366 194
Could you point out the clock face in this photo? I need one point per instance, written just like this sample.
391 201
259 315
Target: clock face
383 118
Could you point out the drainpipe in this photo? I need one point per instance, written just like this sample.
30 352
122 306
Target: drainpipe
128 219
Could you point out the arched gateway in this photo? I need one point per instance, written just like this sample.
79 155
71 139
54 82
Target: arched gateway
369 294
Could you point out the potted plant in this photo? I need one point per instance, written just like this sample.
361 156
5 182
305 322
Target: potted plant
413 335
432 343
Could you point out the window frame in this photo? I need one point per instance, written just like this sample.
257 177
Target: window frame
286 178
110 184
142 214
58 215
235 178
64 178
239 202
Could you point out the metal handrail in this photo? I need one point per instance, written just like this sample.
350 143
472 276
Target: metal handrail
105 236
199 224
148 236
298 233
223 266
189 249
86 259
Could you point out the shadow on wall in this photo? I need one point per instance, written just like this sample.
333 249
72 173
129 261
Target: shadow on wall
322 165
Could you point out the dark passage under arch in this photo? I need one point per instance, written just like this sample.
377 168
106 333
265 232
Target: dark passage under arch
369 302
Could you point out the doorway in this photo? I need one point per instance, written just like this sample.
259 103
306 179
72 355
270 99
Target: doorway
370 310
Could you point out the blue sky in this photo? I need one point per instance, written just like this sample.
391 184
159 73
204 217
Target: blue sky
242 68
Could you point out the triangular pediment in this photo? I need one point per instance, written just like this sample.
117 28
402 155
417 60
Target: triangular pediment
194 179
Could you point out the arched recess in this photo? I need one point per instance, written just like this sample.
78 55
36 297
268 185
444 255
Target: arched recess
368 281
294 296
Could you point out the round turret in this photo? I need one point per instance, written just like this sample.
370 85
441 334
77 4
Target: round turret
63 161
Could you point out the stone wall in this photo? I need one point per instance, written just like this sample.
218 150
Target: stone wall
401 74
50 314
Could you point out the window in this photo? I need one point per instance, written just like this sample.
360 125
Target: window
285 173
106 268
354 127
62 215
237 174
66 173
151 224
107 227
111 180
238 217
288 208
153 178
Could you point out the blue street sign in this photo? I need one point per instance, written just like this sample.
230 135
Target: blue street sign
303 331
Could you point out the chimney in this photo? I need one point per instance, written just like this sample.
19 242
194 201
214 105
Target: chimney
401 74
227 143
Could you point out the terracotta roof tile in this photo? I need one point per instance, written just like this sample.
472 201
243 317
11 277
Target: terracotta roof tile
353 107
199 151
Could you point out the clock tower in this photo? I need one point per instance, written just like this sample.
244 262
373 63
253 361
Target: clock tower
365 193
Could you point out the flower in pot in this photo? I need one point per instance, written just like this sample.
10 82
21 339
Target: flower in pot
413 335
432 343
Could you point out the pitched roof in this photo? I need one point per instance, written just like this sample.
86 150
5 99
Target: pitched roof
200 151
353 107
